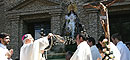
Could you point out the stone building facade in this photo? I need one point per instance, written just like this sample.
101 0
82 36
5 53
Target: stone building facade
18 17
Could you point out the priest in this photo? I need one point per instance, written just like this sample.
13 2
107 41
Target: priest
124 51
33 50
83 51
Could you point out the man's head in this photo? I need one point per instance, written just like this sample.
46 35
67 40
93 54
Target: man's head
91 41
27 38
80 38
116 38
4 38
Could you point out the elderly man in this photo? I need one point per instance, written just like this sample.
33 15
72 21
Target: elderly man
83 51
112 47
33 50
125 54
5 54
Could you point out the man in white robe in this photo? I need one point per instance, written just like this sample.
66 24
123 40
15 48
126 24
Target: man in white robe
83 51
33 50
115 50
125 54
5 54
94 50
112 47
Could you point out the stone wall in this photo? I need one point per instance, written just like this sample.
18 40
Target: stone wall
2 16
11 12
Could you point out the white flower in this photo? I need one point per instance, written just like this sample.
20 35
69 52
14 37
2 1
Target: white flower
108 46
105 40
106 57
107 52
111 56
104 50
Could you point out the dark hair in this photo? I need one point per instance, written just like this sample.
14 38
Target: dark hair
3 35
117 35
91 39
83 36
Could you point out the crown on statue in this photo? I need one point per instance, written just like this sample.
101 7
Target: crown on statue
72 7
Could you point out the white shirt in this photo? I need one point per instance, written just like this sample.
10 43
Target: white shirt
3 51
32 51
95 52
125 54
115 50
83 52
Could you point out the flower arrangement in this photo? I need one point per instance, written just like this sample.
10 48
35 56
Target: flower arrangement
108 55
69 40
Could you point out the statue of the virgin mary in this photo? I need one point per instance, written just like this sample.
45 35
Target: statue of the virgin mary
72 25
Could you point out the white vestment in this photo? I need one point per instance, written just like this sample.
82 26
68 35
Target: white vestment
32 51
115 50
83 52
3 51
95 52
125 54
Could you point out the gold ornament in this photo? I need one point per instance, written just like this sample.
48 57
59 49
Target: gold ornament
72 7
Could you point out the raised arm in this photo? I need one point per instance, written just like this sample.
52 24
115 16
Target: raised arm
108 5
43 42
91 5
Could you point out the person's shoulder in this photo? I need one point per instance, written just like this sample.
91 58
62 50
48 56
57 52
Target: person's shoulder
92 47
112 45
120 43
84 45
121 46
1 48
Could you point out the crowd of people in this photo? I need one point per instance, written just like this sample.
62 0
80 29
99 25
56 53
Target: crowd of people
31 49
87 49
